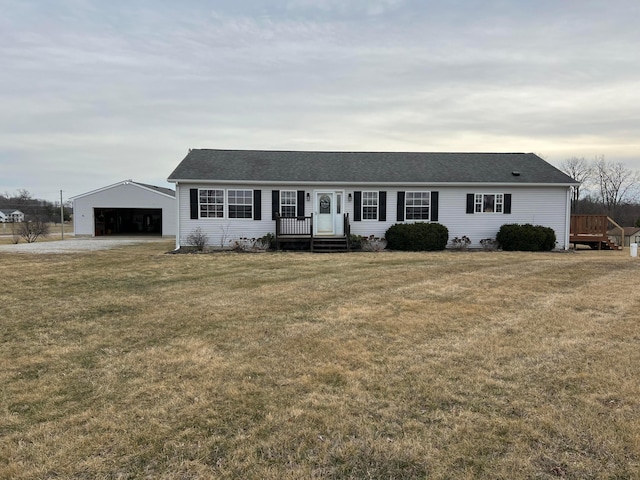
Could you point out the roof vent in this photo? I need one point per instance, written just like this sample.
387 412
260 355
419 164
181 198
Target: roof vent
515 173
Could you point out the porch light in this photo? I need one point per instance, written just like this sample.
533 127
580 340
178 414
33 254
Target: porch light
349 197
308 197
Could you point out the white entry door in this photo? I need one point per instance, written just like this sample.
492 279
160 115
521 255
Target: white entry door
328 213
325 208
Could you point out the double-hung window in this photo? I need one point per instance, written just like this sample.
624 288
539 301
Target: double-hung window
240 203
489 202
369 205
417 205
288 203
211 203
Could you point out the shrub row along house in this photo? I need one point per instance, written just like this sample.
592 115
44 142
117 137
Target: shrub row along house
231 194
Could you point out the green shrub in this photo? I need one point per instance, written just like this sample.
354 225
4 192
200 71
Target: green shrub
269 239
526 238
419 236
356 241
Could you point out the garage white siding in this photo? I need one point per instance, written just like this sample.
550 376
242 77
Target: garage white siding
128 195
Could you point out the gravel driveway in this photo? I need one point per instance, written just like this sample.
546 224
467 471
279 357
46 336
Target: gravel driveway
74 245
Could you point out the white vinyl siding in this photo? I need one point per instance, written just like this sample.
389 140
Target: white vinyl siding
536 205
123 195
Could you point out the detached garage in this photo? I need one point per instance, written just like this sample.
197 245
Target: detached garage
125 208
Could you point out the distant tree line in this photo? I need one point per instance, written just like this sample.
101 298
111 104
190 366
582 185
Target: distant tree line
606 188
33 208
38 215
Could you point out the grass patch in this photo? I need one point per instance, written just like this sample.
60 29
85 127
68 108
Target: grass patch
130 363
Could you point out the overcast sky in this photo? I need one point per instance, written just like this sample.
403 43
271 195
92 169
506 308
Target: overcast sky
97 91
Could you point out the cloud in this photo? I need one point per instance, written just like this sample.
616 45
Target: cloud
96 92
346 8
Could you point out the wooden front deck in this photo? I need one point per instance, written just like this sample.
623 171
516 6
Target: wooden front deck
296 233
592 230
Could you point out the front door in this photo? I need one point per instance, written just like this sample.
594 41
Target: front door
325 213
328 210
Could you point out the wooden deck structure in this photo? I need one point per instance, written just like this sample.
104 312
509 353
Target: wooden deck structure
592 230
296 233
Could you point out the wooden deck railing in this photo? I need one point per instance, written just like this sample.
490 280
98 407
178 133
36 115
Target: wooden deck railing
347 231
294 225
589 225
592 228
291 228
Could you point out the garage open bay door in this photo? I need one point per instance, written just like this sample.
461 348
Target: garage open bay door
128 221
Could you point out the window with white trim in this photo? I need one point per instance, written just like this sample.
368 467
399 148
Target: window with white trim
489 202
369 205
417 205
288 203
240 203
211 203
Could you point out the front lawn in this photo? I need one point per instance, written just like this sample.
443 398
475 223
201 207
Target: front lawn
131 363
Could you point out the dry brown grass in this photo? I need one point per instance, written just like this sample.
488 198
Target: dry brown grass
6 233
130 363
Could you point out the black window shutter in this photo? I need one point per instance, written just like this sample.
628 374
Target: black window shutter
357 206
382 206
400 207
435 197
471 202
300 206
257 204
507 203
275 203
193 195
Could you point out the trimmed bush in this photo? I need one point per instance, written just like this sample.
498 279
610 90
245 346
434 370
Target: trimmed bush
417 237
526 238
356 241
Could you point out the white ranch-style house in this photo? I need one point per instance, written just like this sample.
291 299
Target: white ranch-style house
231 194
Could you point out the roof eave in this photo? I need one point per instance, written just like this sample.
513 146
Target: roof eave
123 182
390 184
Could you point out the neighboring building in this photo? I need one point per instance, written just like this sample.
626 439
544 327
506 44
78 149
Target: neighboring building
10 216
231 194
125 208
631 235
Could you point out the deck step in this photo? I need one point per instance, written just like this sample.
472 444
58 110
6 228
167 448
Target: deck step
330 244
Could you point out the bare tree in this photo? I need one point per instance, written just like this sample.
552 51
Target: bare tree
35 224
617 184
581 171
198 239
33 229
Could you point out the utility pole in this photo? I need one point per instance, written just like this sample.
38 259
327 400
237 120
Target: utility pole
61 216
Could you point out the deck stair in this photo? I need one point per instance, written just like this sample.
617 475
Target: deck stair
329 244
592 230
609 245
297 233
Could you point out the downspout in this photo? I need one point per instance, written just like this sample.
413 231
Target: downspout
177 216
567 221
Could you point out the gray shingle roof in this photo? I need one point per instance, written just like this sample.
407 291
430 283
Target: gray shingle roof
166 191
366 167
